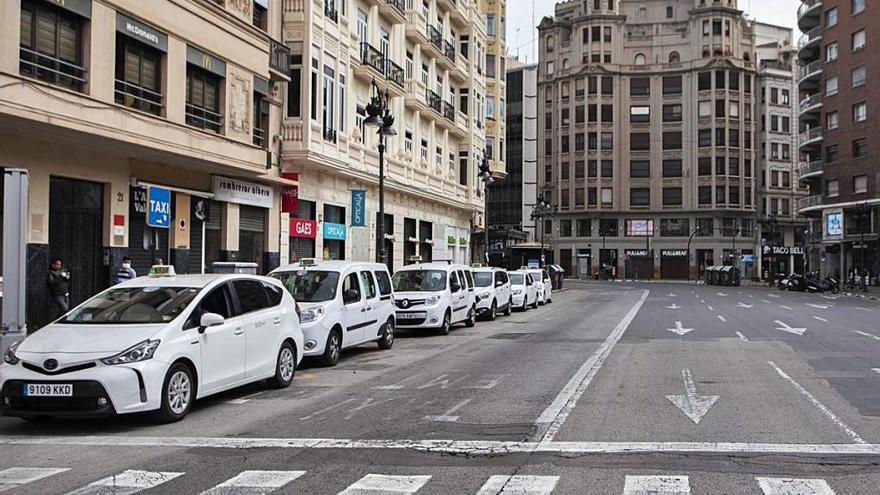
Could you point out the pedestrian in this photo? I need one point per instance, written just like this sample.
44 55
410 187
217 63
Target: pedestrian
159 261
58 282
125 272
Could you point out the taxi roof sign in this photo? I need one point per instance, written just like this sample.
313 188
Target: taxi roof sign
476 265
305 262
162 271
415 259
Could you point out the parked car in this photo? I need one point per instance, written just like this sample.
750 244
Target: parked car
545 284
523 290
155 343
492 292
344 304
434 295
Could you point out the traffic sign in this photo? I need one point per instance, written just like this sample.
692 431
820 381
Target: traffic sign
158 207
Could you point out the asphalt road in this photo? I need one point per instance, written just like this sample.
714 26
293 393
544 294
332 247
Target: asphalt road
613 388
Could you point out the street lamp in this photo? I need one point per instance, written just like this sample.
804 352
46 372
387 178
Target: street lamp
380 117
540 210
486 177
691 238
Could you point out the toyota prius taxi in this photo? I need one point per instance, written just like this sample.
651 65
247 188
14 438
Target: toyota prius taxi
155 343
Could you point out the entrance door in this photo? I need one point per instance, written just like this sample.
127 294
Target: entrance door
76 218
673 267
565 262
608 259
640 268
251 235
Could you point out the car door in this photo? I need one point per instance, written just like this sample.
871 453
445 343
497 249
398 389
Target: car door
502 289
354 309
386 291
223 346
256 315
471 288
457 291
370 329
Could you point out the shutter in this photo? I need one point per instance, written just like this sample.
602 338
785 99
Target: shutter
301 247
46 30
252 218
216 215
195 244
68 40
27 26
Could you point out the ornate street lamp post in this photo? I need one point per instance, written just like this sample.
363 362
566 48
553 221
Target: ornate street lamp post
380 117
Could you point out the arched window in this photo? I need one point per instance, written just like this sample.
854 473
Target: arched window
565 63
640 59
674 58
550 43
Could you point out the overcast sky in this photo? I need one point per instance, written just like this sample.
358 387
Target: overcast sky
519 17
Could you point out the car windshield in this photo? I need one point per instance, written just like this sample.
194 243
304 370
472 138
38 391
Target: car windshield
127 305
517 278
419 281
310 286
483 279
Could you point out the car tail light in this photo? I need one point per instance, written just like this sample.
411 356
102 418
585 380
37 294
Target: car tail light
298 311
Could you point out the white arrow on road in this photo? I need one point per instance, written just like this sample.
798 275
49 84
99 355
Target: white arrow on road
785 328
693 405
679 330
673 306
818 306
744 305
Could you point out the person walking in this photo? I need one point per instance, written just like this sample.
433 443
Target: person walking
58 282
125 272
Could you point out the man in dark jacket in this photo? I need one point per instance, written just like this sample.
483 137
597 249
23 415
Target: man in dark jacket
58 282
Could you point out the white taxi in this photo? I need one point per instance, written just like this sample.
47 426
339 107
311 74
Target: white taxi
434 295
545 286
154 343
492 292
523 290
344 304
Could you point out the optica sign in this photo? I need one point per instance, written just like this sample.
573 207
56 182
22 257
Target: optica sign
300 227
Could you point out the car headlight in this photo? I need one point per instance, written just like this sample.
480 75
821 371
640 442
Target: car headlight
432 300
484 295
134 354
9 357
516 292
312 314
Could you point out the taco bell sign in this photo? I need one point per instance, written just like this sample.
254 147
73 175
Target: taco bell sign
358 208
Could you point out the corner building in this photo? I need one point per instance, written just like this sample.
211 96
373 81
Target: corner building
108 104
439 62
647 138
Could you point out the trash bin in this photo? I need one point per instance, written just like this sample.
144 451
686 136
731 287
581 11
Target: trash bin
730 276
248 268
714 275
557 274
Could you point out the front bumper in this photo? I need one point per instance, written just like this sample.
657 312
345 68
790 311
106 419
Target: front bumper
419 317
516 300
315 335
89 399
484 305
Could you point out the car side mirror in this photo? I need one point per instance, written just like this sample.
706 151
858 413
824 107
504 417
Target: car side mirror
455 286
210 320
350 296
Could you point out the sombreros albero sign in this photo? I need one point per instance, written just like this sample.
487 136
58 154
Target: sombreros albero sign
242 192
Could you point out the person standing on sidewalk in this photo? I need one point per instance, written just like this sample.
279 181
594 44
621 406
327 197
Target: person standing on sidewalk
58 282
125 272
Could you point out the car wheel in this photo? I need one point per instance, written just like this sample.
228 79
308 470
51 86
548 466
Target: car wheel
444 328
493 311
509 308
332 349
178 394
472 318
387 339
525 306
285 367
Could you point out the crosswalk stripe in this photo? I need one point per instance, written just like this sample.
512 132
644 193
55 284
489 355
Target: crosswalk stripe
659 485
17 476
255 482
791 486
519 485
126 483
380 484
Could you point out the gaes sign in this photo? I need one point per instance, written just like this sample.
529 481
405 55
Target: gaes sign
158 207
303 228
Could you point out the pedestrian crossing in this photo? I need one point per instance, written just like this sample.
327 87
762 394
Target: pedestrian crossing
131 482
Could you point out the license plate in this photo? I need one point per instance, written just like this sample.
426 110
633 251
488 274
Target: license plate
48 390
410 316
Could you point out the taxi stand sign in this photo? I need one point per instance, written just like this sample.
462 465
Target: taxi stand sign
158 207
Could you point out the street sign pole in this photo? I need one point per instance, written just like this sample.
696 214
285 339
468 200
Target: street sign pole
15 201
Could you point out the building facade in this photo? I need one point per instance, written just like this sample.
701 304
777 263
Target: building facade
437 62
647 136
837 78
145 129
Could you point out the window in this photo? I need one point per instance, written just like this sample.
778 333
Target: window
720 165
640 196
858 40
640 169
704 81
369 284
203 99
672 168
672 140
329 100
672 113
669 12
384 282
608 227
640 59
640 86
831 86
704 138
672 196
832 153
833 188
733 109
720 79
860 184
294 102
490 26
351 283
705 109
362 26
584 227
831 52
51 45
704 194
831 17
607 196
579 114
858 6
860 112
251 295
138 81
672 85
831 121
704 166
859 148
640 114
858 76
607 169
733 82
607 141
640 141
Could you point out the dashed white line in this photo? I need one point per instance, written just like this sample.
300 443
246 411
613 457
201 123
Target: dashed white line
742 337
710 308
792 486
866 334
377 484
864 309
665 485
819 405
447 416
721 318
774 295
519 485
785 307
820 319
766 301
876 370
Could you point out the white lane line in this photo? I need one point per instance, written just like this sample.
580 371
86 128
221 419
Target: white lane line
397 386
866 334
765 301
742 337
820 319
255 482
703 301
751 296
17 476
710 308
785 307
238 401
557 412
326 409
774 295
662 485
519 485
876 370
790 486
470 447
864 309
817 306
126 483
819 405
721 318
379 484
447 416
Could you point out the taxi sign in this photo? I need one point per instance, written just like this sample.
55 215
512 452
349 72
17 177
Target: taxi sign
308 261
415 259
476 265
162 271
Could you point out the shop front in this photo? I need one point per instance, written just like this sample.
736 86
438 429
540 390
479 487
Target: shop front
639 264
674 264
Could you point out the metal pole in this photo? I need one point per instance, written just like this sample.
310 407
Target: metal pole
691 238
486 220
380 224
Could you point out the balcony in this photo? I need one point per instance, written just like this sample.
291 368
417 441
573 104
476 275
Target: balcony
454 8
449 111
329 135
809 44
330 10
809 14
279 61
376 67
810 75
811 105
810 205
434 102
811 137
393 10
811 170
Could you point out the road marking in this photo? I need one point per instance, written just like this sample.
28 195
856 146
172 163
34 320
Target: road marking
17 476
255 482
710 308
238 401
661 485
742 337
876 370
673 306
488 383
833 298
766 301
368 402
823 320
557 412
866 334
722 294
744 305
679 330
864 309
443 381
519 485
819 405
126 483
670 295
326 409
379 484
817 306
790 486
703 301
447 416
692 405
785 307
777 296
751 296
721 318
396 386
785 328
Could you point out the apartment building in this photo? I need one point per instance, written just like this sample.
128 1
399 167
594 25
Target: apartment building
838 76
145 129
438 63
647 135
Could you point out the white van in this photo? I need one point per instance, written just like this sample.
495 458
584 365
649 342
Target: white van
523 290
493 292
344 304
434 295
545 286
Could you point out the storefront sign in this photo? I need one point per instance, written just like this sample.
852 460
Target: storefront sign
358 208
290 194
141 32
782 250
334 231
241 192
673 253
462 241
637 253
201 210
158 207
834 223
450 239
208 62
81 7
139 200
300 227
